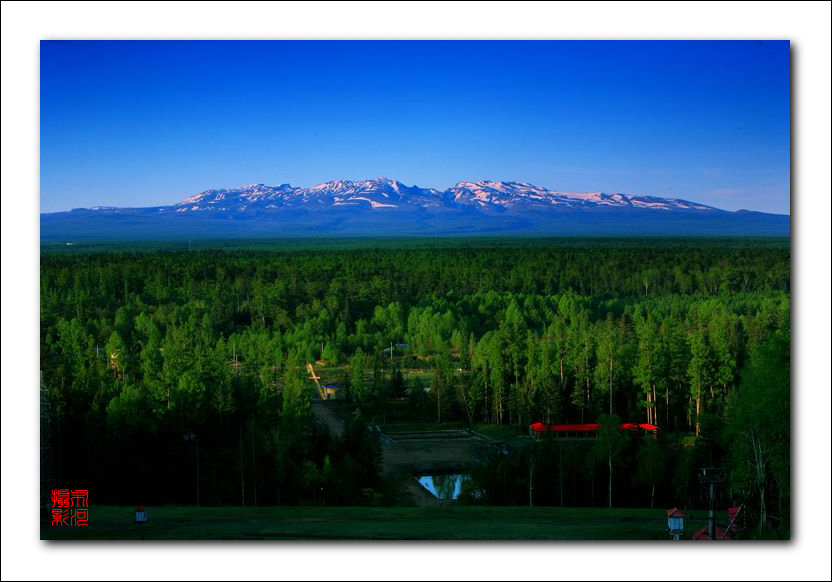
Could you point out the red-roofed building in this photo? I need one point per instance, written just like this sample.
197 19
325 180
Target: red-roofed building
675 522
719 534
734 519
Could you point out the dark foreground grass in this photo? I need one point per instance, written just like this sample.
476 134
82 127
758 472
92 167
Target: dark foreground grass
367 523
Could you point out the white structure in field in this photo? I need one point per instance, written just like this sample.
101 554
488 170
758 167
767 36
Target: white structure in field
675 522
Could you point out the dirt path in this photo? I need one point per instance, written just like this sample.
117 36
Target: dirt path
326 415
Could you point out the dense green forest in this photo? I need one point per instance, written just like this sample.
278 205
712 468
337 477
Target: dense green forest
155 360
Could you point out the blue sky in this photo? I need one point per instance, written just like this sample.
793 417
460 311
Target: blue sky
127 123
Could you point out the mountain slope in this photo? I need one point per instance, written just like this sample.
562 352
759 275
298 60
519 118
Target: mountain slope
389 208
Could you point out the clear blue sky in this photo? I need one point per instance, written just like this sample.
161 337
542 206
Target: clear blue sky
128 123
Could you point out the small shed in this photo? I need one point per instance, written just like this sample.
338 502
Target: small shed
675 521
141 514
734 519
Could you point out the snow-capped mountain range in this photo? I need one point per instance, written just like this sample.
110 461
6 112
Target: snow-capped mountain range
389 207
383 193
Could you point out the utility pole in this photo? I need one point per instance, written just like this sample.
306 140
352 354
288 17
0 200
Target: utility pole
242 470
711 512
711 476
253 462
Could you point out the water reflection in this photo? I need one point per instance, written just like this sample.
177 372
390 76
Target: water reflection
446 487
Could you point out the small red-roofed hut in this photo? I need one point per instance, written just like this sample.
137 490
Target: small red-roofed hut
719 533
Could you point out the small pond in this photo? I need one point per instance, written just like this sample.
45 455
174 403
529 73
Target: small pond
445 487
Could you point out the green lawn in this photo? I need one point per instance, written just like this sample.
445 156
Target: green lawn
502 432
400 427
367 523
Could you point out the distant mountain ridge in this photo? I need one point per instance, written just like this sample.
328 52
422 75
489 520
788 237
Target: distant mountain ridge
386 193
389 207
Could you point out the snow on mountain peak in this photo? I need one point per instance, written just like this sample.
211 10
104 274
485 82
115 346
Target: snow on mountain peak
382 205
386 193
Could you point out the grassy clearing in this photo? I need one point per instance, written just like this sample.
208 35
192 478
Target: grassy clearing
360 523
420 427
503 432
